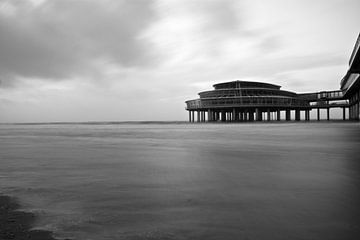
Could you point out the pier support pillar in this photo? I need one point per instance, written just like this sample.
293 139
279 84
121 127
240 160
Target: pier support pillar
278 118
257 114
251 115
297 115
236 115
318 114
189 116
268 115
223 116
307 115
241 116
287 115
344 115
328 113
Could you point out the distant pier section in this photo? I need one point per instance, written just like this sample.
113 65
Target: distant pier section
238 101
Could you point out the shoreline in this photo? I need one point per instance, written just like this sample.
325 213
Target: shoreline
15 224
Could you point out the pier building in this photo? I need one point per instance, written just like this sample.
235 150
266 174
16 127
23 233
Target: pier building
350 84
258 101
246 101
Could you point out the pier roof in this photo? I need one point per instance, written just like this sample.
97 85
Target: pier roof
245 84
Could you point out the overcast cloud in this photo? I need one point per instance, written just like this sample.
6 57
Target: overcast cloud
140 60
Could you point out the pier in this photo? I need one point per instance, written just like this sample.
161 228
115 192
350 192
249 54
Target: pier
243 101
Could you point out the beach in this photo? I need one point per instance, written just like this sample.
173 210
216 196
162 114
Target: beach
16 224
181 181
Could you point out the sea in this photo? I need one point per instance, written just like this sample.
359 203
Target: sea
175 180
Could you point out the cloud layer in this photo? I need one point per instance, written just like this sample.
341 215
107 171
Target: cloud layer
62 39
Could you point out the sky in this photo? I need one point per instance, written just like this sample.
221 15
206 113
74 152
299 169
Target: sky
140 60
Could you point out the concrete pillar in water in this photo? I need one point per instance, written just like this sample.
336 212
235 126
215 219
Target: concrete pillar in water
278 115
328 113
287 115
344 116
297 115
251 115
318 114
307 115
223 116
268 114
257 112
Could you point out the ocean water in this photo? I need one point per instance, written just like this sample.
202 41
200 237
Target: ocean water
186 181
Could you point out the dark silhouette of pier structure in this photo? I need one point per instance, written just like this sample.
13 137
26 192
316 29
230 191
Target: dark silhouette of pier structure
238 101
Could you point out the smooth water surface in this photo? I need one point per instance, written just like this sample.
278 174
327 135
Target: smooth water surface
186 181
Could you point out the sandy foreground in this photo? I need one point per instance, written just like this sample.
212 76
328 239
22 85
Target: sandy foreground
15 224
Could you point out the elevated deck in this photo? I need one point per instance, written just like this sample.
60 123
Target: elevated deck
323 96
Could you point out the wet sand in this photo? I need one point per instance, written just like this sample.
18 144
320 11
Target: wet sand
16 224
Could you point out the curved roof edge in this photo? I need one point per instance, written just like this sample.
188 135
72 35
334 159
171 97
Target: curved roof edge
245 84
